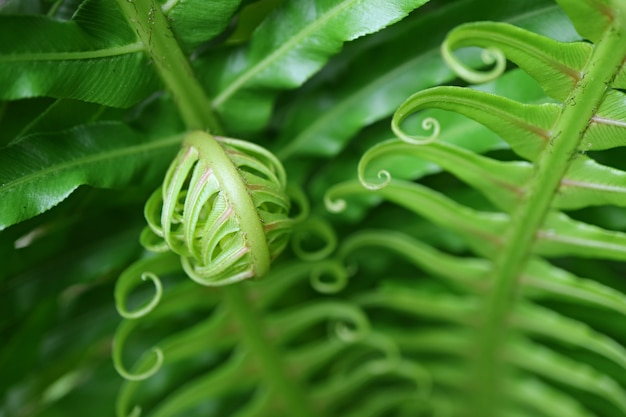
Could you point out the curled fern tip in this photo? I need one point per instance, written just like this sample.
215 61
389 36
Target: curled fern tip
223 208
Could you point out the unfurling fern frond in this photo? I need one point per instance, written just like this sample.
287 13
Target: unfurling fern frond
511 316
223 208
261 351
259 347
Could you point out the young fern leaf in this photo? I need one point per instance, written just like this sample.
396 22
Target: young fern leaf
556 65
94 57
540 281
282 56
222 208
494 308
195 22
351 357
526 127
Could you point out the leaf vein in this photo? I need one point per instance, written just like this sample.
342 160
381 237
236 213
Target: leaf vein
75 56
246 76
116 153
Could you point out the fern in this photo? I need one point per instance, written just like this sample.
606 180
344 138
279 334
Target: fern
222 209
498 327
475 270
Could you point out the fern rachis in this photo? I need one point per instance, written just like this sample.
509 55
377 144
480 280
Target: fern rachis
554 137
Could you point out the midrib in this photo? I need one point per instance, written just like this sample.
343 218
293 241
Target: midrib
578 109
74 56
102 156
274 56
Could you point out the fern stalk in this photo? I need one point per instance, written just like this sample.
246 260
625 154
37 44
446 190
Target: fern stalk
564 143
269 359
195 108
154 31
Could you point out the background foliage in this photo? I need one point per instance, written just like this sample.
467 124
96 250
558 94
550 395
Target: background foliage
373 311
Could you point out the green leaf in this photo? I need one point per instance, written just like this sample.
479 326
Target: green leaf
546 399
482 230
197 21
555 65
106 155
95 57
592 17
64 114
250 17
558 367
322 122
590 183
435 288
286 49
608 125
15 116
467 273
501 182
412 302
543 280
455 129
526 127
539 321
561 235
551 136
20 7
232 373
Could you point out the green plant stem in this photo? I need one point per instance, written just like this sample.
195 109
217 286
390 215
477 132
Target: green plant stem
195 107
269 359
566 136
153 29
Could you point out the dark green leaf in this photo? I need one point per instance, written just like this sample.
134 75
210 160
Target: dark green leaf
286 49
40 171
197 21
94 57
323 121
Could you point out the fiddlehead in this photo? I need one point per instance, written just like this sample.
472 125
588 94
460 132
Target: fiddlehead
118 343
428 123
329 277
317 233
147 269
222 208
490 56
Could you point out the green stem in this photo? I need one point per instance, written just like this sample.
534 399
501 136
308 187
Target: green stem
567 134
272 365
195 107
153 29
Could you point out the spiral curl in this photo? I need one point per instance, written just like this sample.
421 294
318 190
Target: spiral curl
489 56
138 273
222 208
119 341
352 324
390 363
428 124
314 229
329 277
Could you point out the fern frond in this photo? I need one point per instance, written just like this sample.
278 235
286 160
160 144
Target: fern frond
508 308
